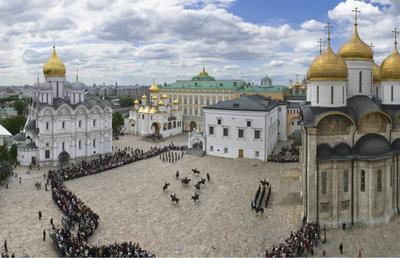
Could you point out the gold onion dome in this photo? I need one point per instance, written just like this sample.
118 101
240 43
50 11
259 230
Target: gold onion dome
176 102
355 48
164 96
144 97
390 67
152 110
136 102
154 88
154 97
161 103
54 66
328 67
376 73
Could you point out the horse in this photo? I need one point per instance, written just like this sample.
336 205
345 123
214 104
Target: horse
202 181
257 209
174 198
185 181
197 186
195 197
177 174
38 185
264 182
165 187
196 172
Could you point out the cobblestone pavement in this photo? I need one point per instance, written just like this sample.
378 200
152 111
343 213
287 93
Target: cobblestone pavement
132 206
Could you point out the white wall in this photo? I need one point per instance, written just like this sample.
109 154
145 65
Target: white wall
386 92
266 122
322 97
355 66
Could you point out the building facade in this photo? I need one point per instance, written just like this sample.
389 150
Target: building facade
156 116
245 127
203 90
351 137
63 120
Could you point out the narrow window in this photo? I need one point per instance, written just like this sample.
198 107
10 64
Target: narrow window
80 123
211 148
225 131
47 125
331 94
248 123
47 154
219 121
360 82
391 175
63 146
80 144
94 122
257 134
257 154
343 94
240 133
94 143
391 93
323 183
225 150
63 125
317 94
379 181
362 181
345 181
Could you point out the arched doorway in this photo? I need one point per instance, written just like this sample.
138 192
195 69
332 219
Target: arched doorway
63 158
155 127
193 126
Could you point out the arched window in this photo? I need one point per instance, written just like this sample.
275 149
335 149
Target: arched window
323 183
80 144
345 181
391 93
360 82
362 183
379 181
174 124
332 91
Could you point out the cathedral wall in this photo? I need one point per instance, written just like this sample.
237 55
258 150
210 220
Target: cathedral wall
328 93
389 97
360 72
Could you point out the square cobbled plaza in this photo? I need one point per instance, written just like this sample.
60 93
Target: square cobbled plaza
133 207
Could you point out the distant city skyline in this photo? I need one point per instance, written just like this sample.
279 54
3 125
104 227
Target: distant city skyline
135 41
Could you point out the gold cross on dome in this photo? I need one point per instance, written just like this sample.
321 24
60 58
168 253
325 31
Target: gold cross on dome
356 12
395 32
320 41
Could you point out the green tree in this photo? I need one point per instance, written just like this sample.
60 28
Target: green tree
5 169
20 105
12 154
117 122
126 101
13 124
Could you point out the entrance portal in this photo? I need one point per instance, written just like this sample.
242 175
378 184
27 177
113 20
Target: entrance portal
156 128
241 153
193 126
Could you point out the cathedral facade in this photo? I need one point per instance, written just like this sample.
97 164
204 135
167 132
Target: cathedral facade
351 136
157 116
63 121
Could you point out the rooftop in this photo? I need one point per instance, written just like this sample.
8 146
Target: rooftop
246 103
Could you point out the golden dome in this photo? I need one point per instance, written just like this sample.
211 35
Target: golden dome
136 102
176 102
152 110
376 73
355 48
144 97
54 66
154 97
161 103
141 109
390 67
146 109
154 88
328 67
164 96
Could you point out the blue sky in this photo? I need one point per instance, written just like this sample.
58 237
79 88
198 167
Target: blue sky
136 41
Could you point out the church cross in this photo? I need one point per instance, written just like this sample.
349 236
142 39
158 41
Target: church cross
395 32
356 12
320 41
329 27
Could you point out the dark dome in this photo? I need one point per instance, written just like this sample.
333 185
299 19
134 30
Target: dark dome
396 144
372 145
342 149
324 150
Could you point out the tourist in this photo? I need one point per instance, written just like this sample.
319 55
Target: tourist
44 235
208 177
341 248
286 154
40 215
5 246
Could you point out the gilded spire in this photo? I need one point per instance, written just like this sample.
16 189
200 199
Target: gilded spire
320 41
329 27
356 12
395 32
76 76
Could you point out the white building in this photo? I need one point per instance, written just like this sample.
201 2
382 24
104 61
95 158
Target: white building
245 127
5 136
155 117
62 119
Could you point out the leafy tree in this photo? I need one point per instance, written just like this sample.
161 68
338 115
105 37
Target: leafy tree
5 169
13 124
117 122
12 154
20 105
126 101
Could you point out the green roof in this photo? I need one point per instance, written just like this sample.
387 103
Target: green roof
274 88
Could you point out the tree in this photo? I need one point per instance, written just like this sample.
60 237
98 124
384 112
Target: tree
117 122
5 169
126 101
20 106
13 124
12 154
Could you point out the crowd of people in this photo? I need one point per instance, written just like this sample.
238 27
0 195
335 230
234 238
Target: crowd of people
171 156
154 136
78 213
299 244
287 153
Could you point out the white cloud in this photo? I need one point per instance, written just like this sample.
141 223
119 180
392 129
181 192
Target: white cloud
134 41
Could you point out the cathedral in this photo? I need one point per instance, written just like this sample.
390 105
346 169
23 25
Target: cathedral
154 117
63 122
351 136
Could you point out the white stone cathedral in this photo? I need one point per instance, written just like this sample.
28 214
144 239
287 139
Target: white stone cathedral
62 119
351 136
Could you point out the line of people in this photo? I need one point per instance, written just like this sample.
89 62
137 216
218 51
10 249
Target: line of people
299 244
171 156
77 212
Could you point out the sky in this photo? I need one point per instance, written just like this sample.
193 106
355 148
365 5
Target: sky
136 41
